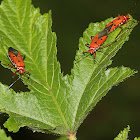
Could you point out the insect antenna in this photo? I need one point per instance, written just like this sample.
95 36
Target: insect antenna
79 59
14 82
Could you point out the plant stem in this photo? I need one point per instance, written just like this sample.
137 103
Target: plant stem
72 136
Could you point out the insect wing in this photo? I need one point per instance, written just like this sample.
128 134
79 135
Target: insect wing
15 57
120 20
101 40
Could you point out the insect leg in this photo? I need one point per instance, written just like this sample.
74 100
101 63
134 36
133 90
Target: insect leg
94 56
92 37
86 51
15 73
11 66
87 45
26 71
23 57
120 28
105 45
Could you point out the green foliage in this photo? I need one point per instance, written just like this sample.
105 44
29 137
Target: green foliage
3 135
123 135
137 138
56 103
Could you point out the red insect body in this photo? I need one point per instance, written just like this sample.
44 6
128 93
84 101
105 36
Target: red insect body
120 20
17 60
101 37
96 42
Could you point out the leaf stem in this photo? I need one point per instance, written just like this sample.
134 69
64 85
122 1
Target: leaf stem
72 136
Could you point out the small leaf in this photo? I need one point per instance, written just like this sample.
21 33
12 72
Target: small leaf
3 135
56 103
12 124
137 138
123 135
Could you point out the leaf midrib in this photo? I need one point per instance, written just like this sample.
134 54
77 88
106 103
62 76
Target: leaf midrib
53 97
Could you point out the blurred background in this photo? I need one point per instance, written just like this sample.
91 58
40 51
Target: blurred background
120 107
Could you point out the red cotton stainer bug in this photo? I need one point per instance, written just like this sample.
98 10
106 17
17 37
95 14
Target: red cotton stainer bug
117 22
17 60
96 42
101 37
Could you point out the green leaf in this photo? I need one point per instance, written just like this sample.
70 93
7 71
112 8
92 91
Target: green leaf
123 135
92 80
3 135
25 29
56 103
137 138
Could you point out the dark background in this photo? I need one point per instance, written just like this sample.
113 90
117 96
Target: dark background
120 107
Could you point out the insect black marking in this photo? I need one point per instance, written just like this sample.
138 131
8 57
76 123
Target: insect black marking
12 50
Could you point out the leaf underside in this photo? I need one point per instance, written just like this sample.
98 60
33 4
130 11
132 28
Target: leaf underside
56 103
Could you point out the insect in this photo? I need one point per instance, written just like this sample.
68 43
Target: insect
96 42
17 60
120 20
101 37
